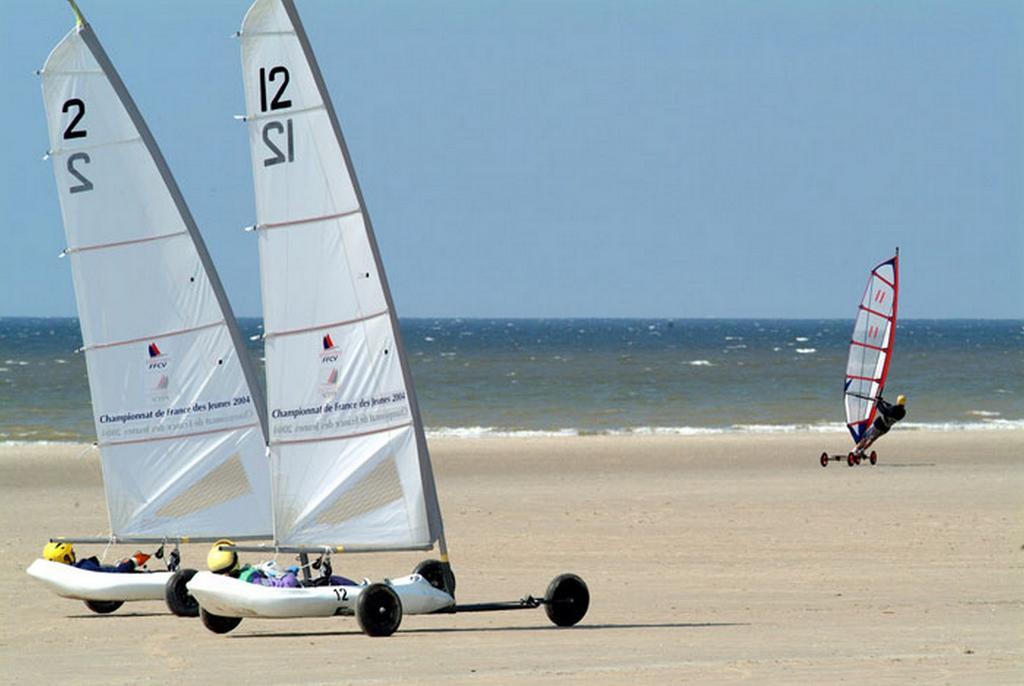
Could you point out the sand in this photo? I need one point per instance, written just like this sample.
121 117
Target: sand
709 559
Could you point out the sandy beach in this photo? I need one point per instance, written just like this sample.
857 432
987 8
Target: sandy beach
729 558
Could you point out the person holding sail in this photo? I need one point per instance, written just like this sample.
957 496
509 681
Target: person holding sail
888 414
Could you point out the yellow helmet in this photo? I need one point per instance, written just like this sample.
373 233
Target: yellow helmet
59 551
901 399
222 561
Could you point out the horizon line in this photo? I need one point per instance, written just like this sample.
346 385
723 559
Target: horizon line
602 318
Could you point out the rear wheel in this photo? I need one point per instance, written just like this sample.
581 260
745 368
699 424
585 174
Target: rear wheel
103 607
438 574
824 459
873 457
179 600
849 460
218 624
378 610
856 458
566 600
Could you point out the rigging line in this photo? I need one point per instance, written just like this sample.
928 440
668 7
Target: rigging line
118 244
321 327
308 220
179 332
345 436
152 439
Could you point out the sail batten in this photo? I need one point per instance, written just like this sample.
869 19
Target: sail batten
340 397
179 419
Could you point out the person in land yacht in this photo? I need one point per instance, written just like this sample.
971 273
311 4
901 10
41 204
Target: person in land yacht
888 414
64 552
268 573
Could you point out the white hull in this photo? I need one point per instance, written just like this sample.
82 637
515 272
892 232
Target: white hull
230 597
81 584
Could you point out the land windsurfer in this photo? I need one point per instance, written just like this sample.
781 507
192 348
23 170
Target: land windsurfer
888 414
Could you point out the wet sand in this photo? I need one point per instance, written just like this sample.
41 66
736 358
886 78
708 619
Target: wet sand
709 559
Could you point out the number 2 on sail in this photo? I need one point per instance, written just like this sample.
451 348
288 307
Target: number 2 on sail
78 105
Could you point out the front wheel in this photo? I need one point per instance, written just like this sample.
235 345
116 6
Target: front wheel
849 460
873 457
218 624
566 600
824 459
378 610
179 600
103 607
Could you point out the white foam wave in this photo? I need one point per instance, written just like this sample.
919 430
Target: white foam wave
984 413
801 339
471 432
700 363
33 444
806 351
492 432
823 427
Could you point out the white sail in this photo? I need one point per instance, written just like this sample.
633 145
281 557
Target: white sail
349 458
177 414
871 345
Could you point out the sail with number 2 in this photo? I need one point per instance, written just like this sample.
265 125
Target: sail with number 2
178 413
349 460
871 346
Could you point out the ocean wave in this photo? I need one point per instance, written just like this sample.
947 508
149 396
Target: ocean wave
824 427
471 432
984 413
806 351
31 444
700 363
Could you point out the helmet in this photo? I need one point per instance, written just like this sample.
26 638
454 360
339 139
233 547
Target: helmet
59 551
901 399
222 561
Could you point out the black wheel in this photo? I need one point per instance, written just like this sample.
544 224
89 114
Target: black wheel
179 600
824 459
218 624
379 610
438 574
873 457
849 460
103 607
566 600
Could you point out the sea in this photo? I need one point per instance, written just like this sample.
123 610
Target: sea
539 377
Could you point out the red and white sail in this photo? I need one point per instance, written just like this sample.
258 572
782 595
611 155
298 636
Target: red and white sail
871 346
349 457
177 412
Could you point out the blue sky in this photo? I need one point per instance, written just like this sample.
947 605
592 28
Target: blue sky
585 158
